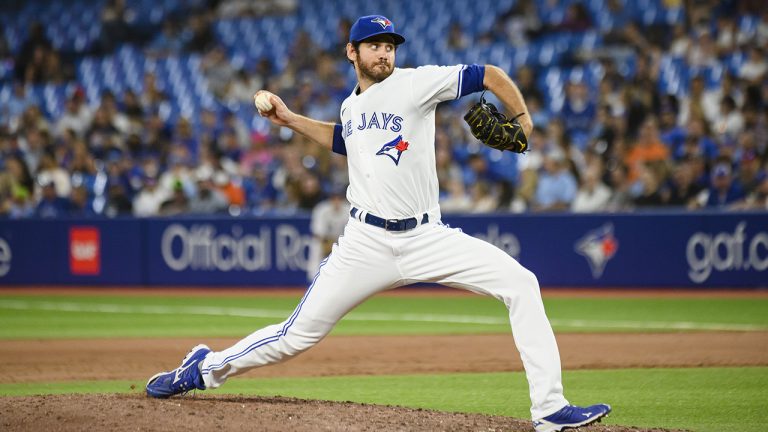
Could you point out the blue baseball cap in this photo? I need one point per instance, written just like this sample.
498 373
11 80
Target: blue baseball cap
373 25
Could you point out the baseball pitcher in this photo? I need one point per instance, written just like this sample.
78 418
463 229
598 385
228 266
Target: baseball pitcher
394 236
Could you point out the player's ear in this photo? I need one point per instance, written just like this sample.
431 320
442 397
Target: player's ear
351 52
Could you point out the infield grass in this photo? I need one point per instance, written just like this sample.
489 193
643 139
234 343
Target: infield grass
79 316
698 399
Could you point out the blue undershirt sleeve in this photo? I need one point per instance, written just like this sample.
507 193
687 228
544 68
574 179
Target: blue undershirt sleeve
338 140
471 80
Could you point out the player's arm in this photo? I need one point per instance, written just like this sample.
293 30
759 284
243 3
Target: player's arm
274 109
501 85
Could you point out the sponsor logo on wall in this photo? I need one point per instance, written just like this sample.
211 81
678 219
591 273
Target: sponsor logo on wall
725 251
503 240
201 247
84 251
5 257
598 247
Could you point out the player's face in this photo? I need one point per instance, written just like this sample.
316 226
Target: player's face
376 59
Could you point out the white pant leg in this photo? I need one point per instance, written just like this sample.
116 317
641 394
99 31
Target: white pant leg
360 266
437 253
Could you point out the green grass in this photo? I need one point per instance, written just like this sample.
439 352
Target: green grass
75 316
700 399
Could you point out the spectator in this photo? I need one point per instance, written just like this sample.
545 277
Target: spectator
132 109
102 136
259 155
152 97
21 205
230 187
576 18
49 169
482 197
244 86
521 23
455 200
18 103
621 199
526 82
80 206
681 41
115 18
149 199
198 34
36 45
681 190
168 42
647 149
260 193
309 192
208 200
76 117
723 192
456 40
218 71
694 106
757 199
750 173
698 141
703 51
730 122
327 223
34 143
177 204
651 179
755 68
51 205
593 195
578 112
556 188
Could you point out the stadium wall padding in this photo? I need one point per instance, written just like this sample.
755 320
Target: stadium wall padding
564 250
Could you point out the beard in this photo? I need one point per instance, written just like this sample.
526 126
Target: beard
376 71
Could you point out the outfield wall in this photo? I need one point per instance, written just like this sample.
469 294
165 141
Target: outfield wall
628 250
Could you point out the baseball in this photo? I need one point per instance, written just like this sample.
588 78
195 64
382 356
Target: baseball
262 102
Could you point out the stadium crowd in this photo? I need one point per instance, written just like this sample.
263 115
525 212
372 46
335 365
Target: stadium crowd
622 144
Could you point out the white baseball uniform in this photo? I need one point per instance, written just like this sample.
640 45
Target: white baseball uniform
394 236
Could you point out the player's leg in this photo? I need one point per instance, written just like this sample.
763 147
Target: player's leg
450 257
359 267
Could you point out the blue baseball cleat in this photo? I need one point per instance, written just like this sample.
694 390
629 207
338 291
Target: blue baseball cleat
182 379
571 416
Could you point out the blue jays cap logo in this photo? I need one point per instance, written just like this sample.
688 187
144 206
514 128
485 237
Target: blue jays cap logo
373 25
383 22
598 247
394 149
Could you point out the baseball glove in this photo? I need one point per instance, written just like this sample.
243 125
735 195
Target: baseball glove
493 128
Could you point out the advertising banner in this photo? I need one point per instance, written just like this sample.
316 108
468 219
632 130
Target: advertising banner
103 252
629 250
228 252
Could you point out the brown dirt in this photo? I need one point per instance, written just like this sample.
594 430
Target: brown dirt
136 359
135 412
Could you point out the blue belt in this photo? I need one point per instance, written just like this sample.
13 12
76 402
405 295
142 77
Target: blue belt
391 224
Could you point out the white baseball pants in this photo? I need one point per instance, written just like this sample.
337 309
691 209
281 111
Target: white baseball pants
368 260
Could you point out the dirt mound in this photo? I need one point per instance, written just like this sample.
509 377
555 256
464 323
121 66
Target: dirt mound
132 412
138 359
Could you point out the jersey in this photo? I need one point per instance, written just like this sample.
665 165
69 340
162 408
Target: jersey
388 136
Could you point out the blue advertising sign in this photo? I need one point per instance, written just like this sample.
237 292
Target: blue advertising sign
567 250
71 252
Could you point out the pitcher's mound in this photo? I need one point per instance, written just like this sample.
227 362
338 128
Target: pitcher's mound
132 412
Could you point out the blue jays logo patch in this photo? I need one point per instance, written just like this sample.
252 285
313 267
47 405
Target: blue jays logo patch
394 149
598 247
383 22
